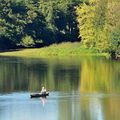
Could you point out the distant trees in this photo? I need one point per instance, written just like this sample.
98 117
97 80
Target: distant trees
99 24
45 22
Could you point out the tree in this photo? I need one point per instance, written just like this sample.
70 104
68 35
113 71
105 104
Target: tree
85 17
12 22
99 23
48 21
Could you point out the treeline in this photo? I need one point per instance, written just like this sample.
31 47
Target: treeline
99 25
34 23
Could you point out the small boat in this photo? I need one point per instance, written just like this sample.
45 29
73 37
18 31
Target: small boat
36 95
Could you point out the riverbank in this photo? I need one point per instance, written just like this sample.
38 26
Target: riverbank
56 50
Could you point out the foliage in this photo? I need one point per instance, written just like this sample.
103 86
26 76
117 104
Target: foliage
49 21
85 18
99 24
96 23
27 41
114 25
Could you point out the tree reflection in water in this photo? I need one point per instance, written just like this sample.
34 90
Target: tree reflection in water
84 88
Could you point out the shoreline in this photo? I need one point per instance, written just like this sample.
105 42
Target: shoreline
56 50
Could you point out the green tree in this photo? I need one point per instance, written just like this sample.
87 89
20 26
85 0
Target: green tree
48 21
86 14
99 23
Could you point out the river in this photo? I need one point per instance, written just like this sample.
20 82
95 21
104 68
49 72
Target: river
86 88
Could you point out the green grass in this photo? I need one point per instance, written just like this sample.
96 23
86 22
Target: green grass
56 50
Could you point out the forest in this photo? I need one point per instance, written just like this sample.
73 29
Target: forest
38 23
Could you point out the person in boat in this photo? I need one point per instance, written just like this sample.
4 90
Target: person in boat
43 91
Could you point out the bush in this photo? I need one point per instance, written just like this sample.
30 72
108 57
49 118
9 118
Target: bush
27 41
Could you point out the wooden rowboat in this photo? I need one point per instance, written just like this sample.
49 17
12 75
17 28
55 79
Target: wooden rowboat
36 95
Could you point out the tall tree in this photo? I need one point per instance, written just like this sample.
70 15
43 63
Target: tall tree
99 23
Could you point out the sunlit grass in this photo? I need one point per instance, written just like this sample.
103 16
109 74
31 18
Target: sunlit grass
56 50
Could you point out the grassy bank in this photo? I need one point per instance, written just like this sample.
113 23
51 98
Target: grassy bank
61 50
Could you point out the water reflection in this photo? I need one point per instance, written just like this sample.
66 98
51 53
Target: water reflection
30 75
80 89
100 76
90 107
43 100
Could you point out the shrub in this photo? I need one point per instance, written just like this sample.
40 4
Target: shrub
27 41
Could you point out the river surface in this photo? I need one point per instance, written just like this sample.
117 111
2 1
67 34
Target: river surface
86 88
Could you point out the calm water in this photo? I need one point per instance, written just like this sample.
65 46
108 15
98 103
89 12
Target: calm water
80 89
